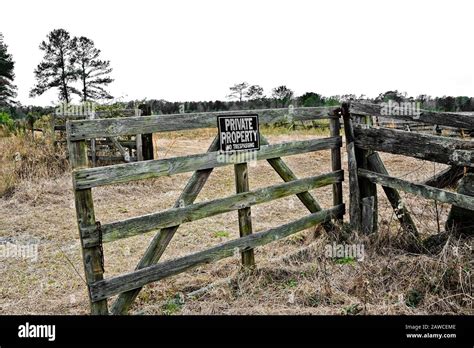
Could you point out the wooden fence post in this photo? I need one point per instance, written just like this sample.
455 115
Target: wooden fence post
460 220
93 148
368 214
139 142
354 198
367 188
336 164
146 139
245 220
92 256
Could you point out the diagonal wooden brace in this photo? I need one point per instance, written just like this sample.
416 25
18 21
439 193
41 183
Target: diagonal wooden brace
287 175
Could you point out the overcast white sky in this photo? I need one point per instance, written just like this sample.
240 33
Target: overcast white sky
194 50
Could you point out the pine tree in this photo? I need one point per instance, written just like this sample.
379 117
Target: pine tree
92 72
283 95
56 70
7 88
237 91
254 92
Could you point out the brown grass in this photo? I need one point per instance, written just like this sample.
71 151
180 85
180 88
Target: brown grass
24 158
292 275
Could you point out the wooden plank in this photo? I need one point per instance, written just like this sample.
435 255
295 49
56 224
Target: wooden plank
354 190
245 219
367 188
445 178
106 288
368 210
85 129
147 138
138 141
108 142
120 173
130 144
179 215
92 257
336 163
423 146
287 174
118 146
375 164
161 240
139 147
100 114
370 188
452 119
428 192
93 153
114 159
93 147
461 221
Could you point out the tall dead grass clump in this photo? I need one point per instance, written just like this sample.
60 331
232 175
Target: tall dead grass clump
24 158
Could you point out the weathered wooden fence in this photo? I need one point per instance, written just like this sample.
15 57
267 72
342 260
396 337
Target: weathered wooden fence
93 234
366 168
131 148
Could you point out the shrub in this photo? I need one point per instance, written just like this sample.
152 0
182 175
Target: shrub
6 122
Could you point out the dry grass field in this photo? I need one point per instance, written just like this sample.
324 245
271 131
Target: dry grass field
293 276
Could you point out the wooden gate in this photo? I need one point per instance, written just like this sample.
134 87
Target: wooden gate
93 234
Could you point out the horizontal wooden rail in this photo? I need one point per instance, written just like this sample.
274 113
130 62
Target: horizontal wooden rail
105 288
177 216
423 146
425 191
452 119
87 129
112 158
120 173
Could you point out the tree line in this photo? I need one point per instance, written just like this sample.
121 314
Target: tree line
243 96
